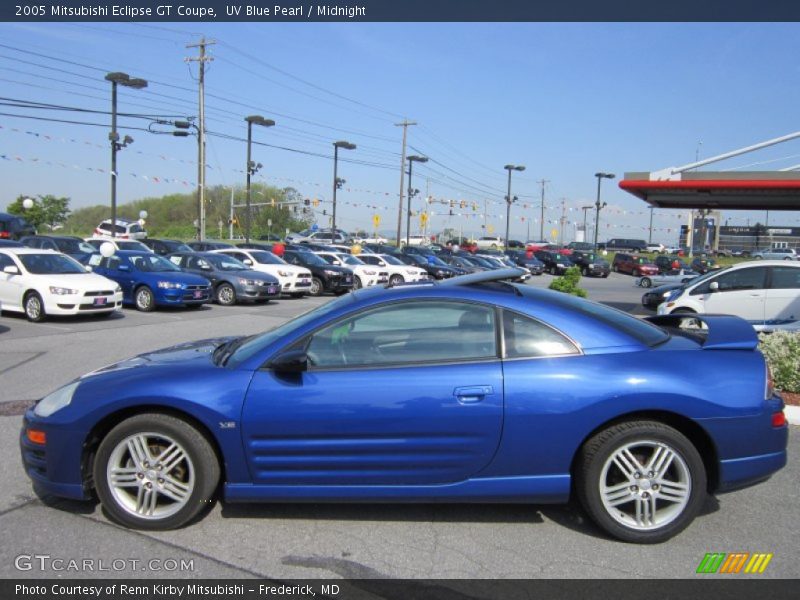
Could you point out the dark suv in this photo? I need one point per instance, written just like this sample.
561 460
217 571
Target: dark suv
324 277
164 247
554 263
66 244
625 244
590 263
668 263
13 227
633 264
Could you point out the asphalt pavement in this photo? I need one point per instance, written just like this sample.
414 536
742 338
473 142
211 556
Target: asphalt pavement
321 541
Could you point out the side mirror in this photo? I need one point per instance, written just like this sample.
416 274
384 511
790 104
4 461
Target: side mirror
248 262
88 268
713 286
206 268
11 270
123 268
294 361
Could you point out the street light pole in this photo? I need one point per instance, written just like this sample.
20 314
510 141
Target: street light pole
337 183
598 206
411 192
650 237
584 209
509 199
136 83
252 167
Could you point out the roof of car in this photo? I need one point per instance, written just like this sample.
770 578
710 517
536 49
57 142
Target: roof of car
26 250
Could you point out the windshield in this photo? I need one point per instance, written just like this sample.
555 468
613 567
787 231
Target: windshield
434 260
349 259
50 264
257 343
69 246
131 245
641 261
153 263
225 263
391 259
310 258
266 258
177 247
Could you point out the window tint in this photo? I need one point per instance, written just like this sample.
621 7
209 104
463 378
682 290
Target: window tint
526 337
6 261
415 332
785 278
742 279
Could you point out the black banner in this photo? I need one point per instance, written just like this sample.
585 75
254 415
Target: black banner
735 588
401 10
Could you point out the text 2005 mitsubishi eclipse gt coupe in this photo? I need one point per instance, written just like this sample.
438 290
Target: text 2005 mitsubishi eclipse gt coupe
470 390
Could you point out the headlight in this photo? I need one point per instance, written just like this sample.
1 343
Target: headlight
592 265
412 271
440 273
244 281
284 273
331 273
169 285
369 272
666 294
55 401
59 291
117 290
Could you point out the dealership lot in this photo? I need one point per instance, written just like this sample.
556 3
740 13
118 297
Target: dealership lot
295 540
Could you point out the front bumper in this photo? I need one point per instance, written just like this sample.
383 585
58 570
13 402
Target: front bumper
259 292
54 467
338 283
179 297
101 301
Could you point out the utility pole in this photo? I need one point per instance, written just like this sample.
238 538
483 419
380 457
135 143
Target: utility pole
541 222
562 222
202 59
404 125
650 238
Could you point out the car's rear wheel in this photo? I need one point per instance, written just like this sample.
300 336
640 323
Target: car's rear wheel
585 272
226 295
144 300
155 471
316 287
645 282
34 307
641 481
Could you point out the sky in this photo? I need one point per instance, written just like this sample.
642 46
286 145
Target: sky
564 100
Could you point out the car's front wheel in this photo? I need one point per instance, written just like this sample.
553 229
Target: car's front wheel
155 471
645 282
34 307
396 280
144 299
316 287
641 481
226 295
357 283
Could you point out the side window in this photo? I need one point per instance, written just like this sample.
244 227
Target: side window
528 338
409 333
5 261
176 260
741 279
112 263
785 278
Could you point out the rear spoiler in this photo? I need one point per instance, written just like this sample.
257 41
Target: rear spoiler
721 332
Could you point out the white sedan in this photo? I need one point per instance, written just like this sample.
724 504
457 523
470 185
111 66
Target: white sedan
365 275
294 280
399 272
43 282
672 276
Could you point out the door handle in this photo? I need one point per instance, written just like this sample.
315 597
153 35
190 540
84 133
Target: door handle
473 393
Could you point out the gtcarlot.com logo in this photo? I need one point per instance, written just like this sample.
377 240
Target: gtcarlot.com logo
734 562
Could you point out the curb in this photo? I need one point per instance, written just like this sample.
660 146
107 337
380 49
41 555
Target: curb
792 414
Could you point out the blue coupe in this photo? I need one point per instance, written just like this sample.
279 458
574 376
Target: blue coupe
149 280
468 390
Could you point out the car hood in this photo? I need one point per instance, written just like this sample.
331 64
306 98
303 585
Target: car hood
665 288
82 281
188 352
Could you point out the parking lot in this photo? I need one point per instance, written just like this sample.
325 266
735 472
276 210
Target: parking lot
311 540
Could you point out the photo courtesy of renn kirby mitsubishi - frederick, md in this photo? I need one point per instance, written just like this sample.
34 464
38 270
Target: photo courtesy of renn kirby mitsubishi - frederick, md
471 389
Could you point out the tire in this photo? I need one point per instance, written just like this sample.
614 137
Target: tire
357 282
316 287
658 504
788 258
605 275
143 299
174 493
615 268
396 279
585 272
553 271
34 307
225 294
646 282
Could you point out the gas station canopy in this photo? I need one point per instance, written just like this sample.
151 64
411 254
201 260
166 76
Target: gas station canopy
755 190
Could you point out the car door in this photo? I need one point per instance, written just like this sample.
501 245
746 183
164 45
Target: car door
402 393
120 270
740 292
783 296
11 286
